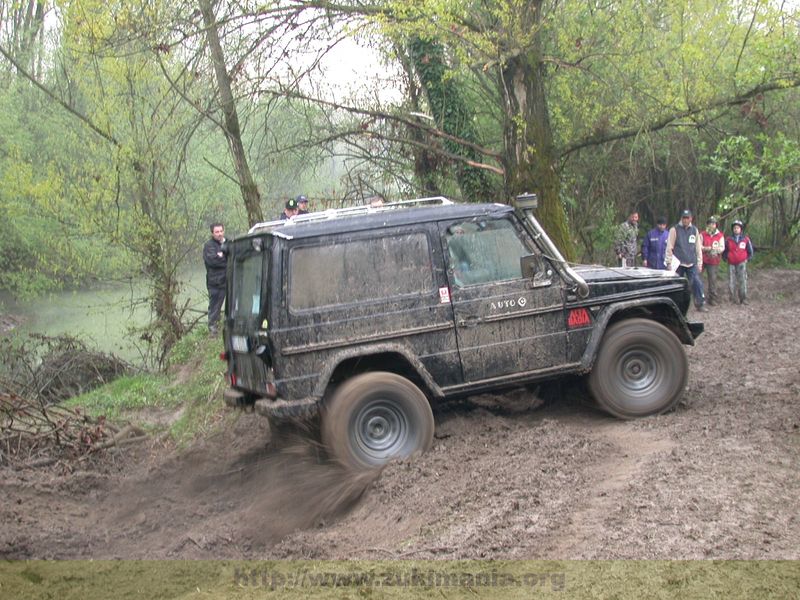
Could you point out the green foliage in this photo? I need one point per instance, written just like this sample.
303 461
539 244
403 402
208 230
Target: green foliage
453 116
190 388
145 390
755 168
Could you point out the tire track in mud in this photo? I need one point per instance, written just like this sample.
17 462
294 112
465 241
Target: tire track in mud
586 533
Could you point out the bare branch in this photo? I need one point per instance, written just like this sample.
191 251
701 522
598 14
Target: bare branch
86 120
597 139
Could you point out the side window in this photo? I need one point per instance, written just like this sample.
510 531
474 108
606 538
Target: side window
360 271
484 252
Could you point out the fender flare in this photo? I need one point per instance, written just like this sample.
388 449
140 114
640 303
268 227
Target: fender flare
333 362
602 319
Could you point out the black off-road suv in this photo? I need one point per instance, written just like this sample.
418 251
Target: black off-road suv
365 316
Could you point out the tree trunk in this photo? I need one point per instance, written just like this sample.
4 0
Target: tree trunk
452 115
252 199
530 152
160 270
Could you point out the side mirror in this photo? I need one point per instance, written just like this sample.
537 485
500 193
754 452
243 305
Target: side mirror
536 270
529 266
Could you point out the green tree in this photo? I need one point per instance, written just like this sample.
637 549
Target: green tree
757 171
572 75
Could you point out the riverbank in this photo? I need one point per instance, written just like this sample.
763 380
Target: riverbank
104 316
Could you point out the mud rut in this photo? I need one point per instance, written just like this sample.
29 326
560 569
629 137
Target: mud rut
506 478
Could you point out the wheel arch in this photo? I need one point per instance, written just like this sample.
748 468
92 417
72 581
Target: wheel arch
660 310
390 358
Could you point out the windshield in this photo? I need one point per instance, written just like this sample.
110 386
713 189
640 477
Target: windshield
248 271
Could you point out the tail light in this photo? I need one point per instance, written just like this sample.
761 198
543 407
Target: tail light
223 356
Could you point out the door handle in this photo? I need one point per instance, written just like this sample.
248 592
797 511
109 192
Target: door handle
470 321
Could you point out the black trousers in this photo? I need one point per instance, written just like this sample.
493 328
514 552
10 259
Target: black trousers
216 296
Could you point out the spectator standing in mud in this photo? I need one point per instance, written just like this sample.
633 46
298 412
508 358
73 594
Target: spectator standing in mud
738 250
625 241
302 205
290 210
216 274
654 246
713 245
685 244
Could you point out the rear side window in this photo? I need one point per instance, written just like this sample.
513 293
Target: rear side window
360 271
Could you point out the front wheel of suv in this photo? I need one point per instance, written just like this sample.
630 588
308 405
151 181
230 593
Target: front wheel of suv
374 418
641 369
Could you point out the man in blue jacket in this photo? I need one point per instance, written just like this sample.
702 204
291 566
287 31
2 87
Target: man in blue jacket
654 246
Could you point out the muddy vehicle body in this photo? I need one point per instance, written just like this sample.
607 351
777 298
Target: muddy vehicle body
364 317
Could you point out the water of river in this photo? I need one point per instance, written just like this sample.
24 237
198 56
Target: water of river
103 315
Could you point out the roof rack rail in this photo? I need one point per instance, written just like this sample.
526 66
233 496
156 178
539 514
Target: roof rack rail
350 211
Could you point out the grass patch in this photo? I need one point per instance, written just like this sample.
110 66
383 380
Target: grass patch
193 382
130 392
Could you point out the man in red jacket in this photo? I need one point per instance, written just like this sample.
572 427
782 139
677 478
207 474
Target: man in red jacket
713 245
738 250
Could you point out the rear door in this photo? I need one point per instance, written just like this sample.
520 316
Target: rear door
246 310
506 325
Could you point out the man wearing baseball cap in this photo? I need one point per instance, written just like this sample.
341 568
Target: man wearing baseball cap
738 250
713 245
289 211
685 244
302 205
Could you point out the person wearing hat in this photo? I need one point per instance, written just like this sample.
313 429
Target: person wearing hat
713 245
302 205
289 211
738 250
625 241
685 244
654 246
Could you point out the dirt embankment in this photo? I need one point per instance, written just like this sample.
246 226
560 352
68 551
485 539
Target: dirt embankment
716 478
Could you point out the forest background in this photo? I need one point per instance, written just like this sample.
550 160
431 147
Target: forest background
127 127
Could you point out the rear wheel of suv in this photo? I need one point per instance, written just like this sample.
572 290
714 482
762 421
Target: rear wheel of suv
374 418
641 369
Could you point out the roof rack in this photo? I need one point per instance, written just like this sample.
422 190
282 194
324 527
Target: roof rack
350 211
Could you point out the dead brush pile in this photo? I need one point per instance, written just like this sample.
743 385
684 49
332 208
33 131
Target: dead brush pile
35 375
35 435
55 368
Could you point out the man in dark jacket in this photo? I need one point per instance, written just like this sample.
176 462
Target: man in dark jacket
685 244
216 274
290 210
654 246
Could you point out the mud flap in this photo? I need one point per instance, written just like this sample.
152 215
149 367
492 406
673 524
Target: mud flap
696 328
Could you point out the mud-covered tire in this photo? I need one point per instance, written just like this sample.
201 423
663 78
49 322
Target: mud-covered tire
641 369
374 418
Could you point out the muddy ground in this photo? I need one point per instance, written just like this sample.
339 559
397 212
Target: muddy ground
506 478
